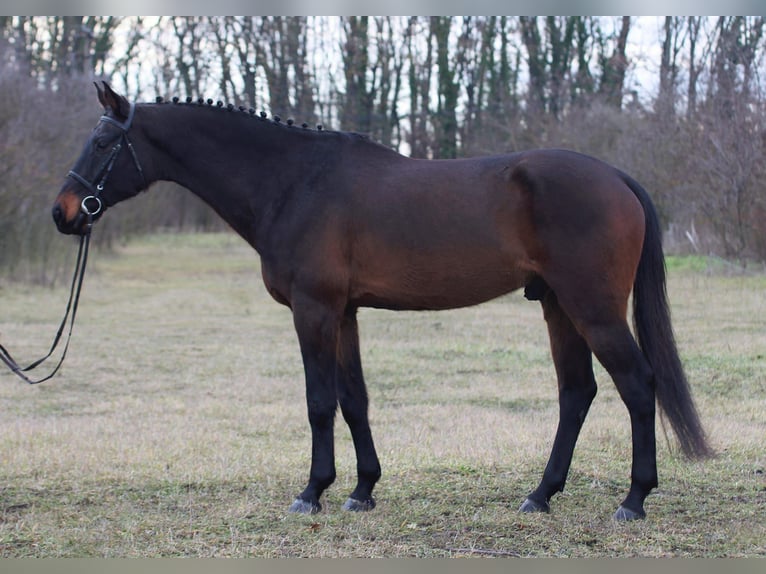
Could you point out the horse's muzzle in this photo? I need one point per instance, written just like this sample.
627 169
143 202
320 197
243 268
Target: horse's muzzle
72 215
61 221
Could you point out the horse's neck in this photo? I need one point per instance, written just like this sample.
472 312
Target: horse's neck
239 166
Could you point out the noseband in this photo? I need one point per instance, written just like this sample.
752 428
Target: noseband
106 167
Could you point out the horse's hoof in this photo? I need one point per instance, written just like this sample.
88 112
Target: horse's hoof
354 505
301 506
530 505
625 514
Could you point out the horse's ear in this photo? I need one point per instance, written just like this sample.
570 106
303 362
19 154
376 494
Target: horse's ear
100 92
111 100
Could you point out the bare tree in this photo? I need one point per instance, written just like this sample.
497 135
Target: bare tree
53 47
729 146
536 64
420 65
445 117
281 52
665 103
190 62
390 58
356 101
614 66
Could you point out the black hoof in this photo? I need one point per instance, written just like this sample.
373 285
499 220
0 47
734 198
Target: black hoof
625 514
530 505
301 506
354 505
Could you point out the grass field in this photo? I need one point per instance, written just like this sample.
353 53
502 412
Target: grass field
177 426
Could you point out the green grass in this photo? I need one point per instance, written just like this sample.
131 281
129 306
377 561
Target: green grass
177 426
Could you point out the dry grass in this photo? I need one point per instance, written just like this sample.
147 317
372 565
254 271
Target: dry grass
177 426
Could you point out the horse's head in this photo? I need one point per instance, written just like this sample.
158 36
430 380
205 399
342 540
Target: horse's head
107 172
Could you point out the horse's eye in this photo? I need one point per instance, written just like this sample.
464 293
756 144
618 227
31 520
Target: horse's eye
100 144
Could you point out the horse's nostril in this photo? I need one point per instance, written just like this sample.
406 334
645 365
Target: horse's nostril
58 214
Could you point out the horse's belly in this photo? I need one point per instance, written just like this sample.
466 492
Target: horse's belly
433 285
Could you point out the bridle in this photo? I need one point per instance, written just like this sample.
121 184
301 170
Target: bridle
90 212
105 169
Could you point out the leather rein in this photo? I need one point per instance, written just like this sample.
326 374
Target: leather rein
91 206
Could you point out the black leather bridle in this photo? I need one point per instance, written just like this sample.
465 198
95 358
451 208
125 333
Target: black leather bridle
105 169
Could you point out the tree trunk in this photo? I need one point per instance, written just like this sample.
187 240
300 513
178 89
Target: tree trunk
614 68
445 120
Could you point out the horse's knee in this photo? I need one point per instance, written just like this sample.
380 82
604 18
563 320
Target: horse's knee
321 413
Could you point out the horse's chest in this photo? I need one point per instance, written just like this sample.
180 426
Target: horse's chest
275 284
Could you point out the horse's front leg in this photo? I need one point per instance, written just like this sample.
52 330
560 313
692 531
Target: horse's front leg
352 395
318 327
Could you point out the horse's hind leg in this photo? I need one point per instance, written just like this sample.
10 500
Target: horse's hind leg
616 349
599 316
577 387
352 395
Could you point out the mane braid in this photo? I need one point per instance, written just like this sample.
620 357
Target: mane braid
246 112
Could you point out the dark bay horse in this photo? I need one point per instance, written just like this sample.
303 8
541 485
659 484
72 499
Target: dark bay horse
341 223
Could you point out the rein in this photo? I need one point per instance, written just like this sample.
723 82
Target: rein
74 299
91 206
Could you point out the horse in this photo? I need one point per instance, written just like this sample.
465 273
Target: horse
341 222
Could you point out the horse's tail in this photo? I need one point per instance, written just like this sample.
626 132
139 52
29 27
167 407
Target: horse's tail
651 320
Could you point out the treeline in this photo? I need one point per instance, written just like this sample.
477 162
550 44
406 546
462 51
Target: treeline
443 86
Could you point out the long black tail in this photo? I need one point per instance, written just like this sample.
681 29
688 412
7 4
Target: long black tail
651 320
